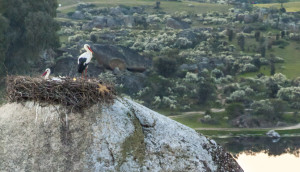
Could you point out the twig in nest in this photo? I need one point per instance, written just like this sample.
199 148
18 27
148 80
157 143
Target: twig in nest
73 94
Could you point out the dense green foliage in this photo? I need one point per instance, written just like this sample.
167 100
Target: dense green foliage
234 110
165 66
29 27
3 40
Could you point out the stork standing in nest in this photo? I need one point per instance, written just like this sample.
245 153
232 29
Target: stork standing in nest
84 59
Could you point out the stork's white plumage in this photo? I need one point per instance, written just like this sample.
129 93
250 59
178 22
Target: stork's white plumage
84 59
47 73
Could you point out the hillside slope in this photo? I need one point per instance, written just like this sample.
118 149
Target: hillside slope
125 136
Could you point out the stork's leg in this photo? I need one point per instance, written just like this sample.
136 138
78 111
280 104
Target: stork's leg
85 73
82 75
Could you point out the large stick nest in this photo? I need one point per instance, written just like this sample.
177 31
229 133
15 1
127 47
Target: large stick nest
76 95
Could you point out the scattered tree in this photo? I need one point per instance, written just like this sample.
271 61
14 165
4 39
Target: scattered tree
282 34
272 88
263 51
165 66
241 42
93 38
206 88
234 110
31 29
157 4
257 36
230 35
281 2
272 65
277 36
3 42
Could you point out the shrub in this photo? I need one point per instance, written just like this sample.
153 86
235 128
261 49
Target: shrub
281 43
271 109
262 107
206 90
249 68
237 96
216 73
291 94
165 66
234 110
191 77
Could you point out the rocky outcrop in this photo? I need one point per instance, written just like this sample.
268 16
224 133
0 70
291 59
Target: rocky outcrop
175 24
273 134
68 67
107 54
124 136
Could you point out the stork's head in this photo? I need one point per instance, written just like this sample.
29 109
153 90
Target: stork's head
47 73
87 47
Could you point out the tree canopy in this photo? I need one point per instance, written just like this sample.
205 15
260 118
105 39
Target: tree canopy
27 27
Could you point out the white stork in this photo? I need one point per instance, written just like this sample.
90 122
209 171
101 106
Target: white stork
47 73
84 59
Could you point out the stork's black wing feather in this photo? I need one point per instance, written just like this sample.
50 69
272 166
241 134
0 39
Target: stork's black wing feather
82 65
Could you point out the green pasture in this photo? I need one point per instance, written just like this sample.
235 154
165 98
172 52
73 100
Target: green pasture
291 65
290 6
194 121
166 6
246 132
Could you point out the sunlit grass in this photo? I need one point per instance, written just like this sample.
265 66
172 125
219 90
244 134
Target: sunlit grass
193 121
166 6
246 132
290 6
291 66
290 54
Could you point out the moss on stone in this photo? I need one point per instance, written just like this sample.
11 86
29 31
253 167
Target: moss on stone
134 145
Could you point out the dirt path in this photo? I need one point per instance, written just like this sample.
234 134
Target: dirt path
102 2
186 114
293 127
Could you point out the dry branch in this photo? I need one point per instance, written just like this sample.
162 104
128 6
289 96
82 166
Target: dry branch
75 95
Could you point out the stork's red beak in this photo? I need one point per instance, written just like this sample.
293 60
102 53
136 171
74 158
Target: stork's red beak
44 73
90 49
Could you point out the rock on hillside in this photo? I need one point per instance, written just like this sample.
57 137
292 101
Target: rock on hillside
105 53
124 136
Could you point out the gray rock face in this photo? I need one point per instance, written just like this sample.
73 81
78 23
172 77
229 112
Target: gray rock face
68 67
78 15
128 20
99 21
124 136
273 134
104 53
175 24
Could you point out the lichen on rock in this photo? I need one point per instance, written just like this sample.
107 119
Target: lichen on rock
124 136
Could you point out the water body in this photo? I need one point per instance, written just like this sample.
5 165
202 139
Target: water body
263 154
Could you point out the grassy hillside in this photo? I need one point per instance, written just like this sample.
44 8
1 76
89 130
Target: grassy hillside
291 64
167 6
290 6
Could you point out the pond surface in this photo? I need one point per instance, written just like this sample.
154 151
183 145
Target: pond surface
263 154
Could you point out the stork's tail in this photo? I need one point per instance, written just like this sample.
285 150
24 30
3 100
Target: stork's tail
81 65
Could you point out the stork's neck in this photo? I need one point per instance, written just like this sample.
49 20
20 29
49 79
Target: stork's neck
87 50
47 75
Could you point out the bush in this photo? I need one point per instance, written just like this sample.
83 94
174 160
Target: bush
234 110
206 90
262 107
237 96
270 109
281 43
249 68
165 66
291 94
